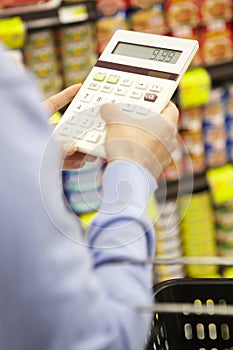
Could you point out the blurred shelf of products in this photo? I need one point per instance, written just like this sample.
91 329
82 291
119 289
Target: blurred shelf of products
59 41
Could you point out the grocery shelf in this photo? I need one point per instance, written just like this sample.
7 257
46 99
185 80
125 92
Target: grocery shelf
52 13
186 184
30 9
221 71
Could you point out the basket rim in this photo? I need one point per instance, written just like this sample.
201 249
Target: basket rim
222 281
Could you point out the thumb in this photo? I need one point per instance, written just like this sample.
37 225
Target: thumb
111 113
171 114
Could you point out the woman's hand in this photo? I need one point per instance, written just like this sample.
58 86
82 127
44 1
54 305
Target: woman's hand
54 103
72 158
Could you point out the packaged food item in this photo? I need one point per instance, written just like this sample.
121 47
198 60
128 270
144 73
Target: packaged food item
73 33
82 187
144 4
214 130
40 56
216 153
109 8
198 234
106 27
77 52
168 241
13 32
150 20
216 42
179 12
215 9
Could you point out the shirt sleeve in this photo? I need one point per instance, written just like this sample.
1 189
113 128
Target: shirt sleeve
59 289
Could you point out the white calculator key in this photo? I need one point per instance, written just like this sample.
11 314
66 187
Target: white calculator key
128 107
107 88
99 99
120 91
156 88
141 86
73 119
114 100
86 122
93 111
79 107
86 97
79 133
126 82
65 129
94 86
100 125
92 136
135 94
142 110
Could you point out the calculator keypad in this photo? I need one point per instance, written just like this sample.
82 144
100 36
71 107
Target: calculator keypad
84 124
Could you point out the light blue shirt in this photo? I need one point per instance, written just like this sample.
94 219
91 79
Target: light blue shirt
59 289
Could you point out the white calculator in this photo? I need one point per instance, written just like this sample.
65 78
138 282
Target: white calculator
138 71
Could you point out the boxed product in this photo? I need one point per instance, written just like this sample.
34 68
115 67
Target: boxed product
109 8
106 27
151 20
215 9
217 42
144 4
179 12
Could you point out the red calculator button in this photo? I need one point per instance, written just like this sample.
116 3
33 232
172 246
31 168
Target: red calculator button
150 97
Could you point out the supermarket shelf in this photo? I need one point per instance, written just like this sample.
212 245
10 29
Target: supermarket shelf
42 16
221 71
187 184
21 10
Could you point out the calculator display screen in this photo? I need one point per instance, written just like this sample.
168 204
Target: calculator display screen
158 54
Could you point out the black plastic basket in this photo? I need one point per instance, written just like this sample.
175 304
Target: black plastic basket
193 330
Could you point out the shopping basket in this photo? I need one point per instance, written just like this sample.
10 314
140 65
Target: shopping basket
195 329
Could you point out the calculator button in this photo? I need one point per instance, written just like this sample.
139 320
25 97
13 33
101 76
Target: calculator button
120 91
136 94
78 133
150 97
79 107
141 86
100 126
86 122
99 99
93 111
112 79
126 82
156 88
107 88
73 119
114 100
86 97
142 110
65 130
128 107
94 86
99 76
92 136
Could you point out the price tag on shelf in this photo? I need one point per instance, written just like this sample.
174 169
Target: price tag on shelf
12 32
70 14
221 183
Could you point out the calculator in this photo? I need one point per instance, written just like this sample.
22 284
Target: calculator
137 71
